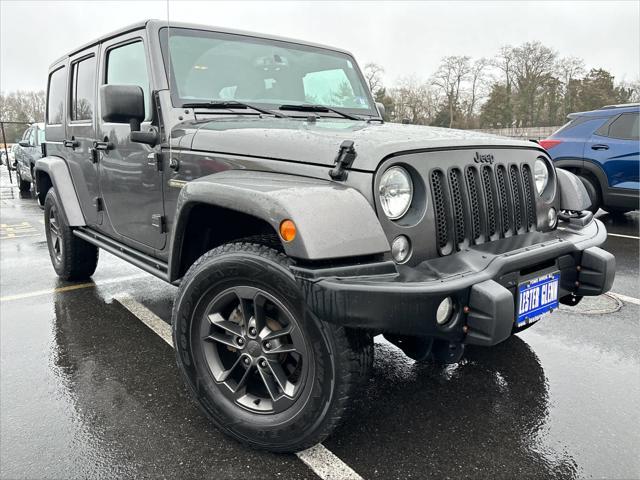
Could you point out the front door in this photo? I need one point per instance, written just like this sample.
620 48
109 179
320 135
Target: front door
615 147
81 132
130 182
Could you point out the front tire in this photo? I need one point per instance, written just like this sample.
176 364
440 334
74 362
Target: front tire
258 363
593 190
72 257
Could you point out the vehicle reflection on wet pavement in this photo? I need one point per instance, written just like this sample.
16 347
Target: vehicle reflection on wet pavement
89 391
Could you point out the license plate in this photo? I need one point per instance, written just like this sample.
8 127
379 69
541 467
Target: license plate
537 297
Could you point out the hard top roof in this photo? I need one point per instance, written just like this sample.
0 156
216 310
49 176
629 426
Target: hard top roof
157 24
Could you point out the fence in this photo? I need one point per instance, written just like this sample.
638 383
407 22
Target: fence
528 133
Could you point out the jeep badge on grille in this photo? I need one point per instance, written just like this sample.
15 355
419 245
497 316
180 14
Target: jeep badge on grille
478 158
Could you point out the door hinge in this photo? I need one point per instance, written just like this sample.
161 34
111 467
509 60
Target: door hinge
97 202
159 221
155 160
346 155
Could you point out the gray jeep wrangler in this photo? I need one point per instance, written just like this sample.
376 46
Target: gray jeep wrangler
257 174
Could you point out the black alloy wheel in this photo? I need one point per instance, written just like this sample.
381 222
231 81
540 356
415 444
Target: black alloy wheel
254 347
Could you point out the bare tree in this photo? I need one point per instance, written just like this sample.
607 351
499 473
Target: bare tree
373 74
504 62
568 69
413 101
533 65
451 74
478 82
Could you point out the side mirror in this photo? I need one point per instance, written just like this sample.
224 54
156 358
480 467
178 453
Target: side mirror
122 104
24 143
125 104
381 109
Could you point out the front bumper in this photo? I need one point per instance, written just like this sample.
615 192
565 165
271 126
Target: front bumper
385 297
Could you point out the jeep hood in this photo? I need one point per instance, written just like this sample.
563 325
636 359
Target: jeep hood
318 142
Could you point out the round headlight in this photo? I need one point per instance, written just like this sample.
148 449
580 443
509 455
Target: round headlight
396 192
541 175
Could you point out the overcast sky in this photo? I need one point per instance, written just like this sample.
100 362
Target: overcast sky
404 37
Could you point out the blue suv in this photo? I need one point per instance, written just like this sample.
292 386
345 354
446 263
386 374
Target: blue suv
602 147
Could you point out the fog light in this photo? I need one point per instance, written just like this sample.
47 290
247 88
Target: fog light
401 249
445 309
552 217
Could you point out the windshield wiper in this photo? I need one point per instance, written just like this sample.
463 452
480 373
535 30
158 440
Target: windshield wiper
228 104
305 107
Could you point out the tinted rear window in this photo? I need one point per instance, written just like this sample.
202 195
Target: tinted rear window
83 78
625 127
55 100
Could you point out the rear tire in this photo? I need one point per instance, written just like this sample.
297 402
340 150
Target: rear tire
72 257
258 363
23 185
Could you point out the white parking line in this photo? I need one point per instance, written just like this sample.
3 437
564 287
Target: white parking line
326 465
146 316
625 298
623 236
319 459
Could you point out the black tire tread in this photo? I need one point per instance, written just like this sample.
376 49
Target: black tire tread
79 258
354 348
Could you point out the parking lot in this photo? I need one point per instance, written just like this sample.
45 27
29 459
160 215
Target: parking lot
90 388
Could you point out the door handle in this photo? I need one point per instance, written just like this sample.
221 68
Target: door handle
73 143
104 146
600 146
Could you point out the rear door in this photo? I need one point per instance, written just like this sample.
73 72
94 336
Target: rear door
615 147
81 131
130 181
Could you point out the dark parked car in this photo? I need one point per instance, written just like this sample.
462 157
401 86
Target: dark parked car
27 151
257 174
602 147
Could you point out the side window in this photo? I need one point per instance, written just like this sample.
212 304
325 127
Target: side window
25 135
41 136
625 127
127 65
83 79
32 137
55 98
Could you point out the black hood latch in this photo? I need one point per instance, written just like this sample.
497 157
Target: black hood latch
346 155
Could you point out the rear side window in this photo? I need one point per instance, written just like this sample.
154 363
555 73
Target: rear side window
625 127
55 99
127 65
83 77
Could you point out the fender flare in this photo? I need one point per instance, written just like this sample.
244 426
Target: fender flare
332 220
58 171
573 194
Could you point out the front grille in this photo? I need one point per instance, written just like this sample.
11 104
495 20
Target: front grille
442 230
482 204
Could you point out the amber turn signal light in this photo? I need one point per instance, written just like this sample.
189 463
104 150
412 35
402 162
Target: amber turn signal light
288 230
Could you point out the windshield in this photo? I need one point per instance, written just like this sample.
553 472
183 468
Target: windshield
210 66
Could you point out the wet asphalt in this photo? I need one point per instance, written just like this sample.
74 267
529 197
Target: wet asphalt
88 391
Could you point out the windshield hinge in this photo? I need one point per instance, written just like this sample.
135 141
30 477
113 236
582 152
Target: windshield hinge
346 155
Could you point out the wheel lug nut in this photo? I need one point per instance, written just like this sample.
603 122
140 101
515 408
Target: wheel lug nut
252 331
267 346
246 361
263 364
240 341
